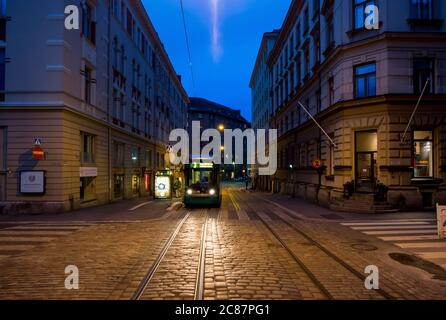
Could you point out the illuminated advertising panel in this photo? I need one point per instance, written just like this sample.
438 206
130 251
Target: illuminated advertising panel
162 187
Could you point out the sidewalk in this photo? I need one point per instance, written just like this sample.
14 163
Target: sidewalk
314 211
134 209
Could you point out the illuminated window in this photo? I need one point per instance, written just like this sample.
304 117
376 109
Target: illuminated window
359 10
423 154
365 80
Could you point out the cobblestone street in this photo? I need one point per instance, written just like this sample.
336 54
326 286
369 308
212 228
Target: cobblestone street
256 246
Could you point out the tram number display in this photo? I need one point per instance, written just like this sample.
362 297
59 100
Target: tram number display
162 187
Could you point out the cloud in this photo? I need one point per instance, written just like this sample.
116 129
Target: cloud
214 13
216 47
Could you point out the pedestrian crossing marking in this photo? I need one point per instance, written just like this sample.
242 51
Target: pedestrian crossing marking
26 239
422 245
385 223
15 247
409 238
44 227
433 255
34 232
417 235
25 236
423 231
393 227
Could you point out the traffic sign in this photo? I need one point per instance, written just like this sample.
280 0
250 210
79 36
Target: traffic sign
38 152
37 141
317 164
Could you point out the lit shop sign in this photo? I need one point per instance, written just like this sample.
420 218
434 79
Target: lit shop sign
32 182
86 172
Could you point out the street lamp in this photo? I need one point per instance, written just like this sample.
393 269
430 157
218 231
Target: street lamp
222 148
221 127
233 163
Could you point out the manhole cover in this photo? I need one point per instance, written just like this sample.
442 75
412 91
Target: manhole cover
363 247
410 260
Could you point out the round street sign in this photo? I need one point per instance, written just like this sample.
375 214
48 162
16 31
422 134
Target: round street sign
317 164
38 152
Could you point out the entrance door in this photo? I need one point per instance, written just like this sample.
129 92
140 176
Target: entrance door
365 171
366 164
3 164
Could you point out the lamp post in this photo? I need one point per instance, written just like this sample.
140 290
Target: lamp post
233 163
292 179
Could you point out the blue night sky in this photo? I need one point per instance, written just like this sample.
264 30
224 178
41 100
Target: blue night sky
224 37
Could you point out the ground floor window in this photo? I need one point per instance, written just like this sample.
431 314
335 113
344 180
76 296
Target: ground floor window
423 154
118 186
87 188
136 184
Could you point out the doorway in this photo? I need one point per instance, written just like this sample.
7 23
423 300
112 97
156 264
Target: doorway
366 154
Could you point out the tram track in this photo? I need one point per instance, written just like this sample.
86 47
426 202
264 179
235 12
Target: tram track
151 272
324 251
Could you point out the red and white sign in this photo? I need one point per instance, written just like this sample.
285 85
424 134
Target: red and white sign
38 152
317 164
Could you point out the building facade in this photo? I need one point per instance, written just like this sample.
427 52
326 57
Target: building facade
361 85
261 100
260 83
212 115
100 101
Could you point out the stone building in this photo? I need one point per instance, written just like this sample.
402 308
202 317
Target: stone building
360 72
216 116
101 101
260 85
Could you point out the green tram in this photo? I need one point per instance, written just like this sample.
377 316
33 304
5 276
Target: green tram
202 182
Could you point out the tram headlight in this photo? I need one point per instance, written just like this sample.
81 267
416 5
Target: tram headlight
212 192
189 191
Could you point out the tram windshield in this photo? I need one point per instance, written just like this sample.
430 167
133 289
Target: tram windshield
202 177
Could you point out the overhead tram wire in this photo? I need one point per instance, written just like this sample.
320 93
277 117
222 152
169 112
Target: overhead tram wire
187 44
